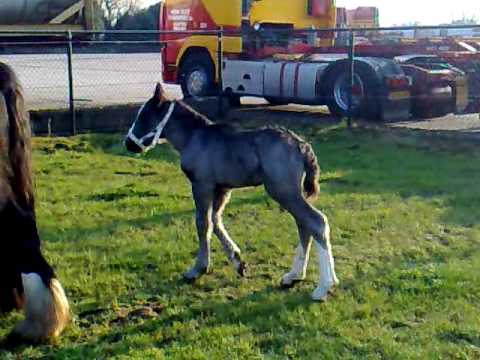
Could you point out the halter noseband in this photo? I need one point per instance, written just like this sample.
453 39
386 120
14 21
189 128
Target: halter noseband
156 132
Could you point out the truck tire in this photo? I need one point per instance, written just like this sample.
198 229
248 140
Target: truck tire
197 76
336 90
276 100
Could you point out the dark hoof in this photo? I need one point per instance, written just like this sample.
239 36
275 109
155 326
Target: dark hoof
242 269
190 280
14 340
289 286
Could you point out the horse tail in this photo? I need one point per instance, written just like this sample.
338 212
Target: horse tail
312 172
19 133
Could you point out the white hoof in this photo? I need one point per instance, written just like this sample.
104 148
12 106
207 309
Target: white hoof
289 279
321 293
335 280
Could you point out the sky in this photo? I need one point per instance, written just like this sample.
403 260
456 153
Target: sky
398 12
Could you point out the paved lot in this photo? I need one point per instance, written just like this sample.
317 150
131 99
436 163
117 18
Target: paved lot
462 123
99 79
110 79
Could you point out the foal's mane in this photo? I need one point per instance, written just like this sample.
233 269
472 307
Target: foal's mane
187 112
15 157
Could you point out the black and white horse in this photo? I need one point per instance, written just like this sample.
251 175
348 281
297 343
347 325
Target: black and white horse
26 279
218 158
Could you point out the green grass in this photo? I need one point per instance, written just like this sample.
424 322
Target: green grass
405 232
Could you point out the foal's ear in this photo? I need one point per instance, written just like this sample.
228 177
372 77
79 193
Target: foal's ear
158 92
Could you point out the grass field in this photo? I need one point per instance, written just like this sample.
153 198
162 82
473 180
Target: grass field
120 230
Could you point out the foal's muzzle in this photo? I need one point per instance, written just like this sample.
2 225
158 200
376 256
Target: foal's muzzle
131 146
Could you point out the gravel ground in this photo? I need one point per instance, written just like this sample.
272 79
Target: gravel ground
463 123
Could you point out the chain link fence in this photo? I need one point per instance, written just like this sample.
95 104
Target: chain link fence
102 73
71 71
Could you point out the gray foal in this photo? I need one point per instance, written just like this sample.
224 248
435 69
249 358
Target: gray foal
219 158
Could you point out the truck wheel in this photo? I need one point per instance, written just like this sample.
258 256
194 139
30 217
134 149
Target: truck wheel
337 93
197 76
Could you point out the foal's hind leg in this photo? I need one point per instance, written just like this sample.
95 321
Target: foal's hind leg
328 278
222 196
290 198
298 271
203 197
314 223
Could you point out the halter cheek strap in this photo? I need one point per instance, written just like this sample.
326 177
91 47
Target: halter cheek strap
156 132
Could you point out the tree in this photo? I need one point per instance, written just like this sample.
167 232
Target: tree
145 19
98 17
466 21
115 9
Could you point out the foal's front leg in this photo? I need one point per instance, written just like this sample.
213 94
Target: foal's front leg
222 196
203 197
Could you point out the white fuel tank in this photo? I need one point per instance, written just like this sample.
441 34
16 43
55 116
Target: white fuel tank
293 80
243 77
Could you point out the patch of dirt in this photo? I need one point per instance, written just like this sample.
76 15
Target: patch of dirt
146 312
62 144
122 193
459 123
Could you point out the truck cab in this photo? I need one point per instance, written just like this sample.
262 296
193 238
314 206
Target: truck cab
191 59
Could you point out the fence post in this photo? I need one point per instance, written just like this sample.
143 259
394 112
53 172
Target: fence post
220 70
351 59
73 118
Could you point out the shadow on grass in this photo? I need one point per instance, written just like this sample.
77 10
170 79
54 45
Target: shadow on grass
272 310
370 162
251 310
373 163
79 232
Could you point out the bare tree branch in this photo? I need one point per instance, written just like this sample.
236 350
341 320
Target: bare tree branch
114 9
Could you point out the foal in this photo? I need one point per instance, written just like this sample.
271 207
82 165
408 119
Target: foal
26 279
218 158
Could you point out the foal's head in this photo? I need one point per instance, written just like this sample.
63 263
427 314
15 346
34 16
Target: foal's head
149 123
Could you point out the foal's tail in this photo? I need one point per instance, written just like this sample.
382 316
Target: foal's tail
312 172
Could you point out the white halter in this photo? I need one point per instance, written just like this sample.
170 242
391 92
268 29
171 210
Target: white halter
156 132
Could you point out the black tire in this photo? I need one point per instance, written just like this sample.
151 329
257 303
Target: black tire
201 67
234 100
367 105
276 100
